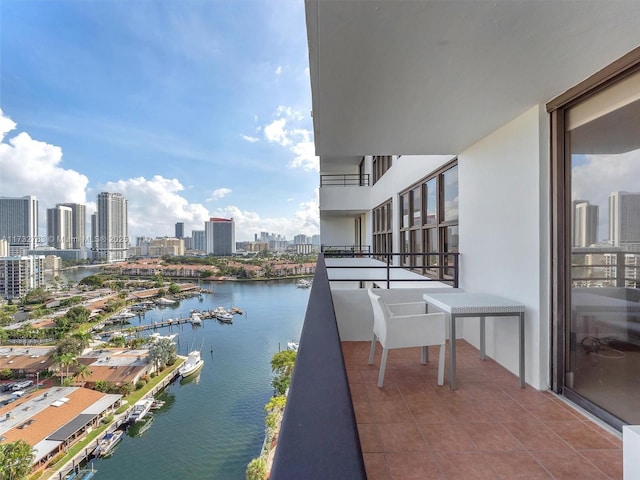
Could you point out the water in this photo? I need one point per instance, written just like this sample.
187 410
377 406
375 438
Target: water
212 425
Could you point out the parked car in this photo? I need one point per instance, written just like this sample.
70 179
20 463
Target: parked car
22 385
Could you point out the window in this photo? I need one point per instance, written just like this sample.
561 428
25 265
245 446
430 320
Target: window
429 213
381 163
596 224
382 228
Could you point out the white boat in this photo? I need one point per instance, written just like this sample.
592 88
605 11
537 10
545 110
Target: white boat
195 319
192 364
107 443
303 284
154 337
223 315
164 301
292 346
140 410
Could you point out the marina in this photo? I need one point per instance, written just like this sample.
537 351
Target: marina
215 417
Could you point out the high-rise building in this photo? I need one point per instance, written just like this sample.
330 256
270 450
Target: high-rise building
198 241
78 224
59 227
624 218
110 241
301 239
180 230
19 223
220 236
584 223
19 274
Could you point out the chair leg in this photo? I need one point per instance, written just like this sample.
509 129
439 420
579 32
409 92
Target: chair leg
441 366
383 365
373 349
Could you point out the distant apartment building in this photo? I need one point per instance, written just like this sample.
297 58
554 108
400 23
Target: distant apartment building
624 218
301 239
59 227
4 248
179 230
19 223
585 223
278 245
220 236
166 246
198 241
109 229
78 224
20 274
68 254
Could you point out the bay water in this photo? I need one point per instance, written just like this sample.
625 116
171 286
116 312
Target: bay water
212 424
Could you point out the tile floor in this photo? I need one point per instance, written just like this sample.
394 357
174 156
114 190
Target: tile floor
488 428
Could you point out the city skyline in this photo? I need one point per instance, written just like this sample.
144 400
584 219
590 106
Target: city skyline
189 110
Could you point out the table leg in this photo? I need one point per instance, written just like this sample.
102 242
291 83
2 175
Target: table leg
452 352
521 328
482 339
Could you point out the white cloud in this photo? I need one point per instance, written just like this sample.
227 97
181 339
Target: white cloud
305 220
250 139
155 205
219 193
279 70
32 167
284 132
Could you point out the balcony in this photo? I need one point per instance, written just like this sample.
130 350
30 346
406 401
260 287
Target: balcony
339 424
344 193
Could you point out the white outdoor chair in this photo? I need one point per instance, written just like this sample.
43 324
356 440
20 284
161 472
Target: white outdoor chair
403 325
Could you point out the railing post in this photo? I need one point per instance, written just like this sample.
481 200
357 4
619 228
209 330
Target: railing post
620 269
389 270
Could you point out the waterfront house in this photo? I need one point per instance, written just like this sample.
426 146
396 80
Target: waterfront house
53 419
501 137
118 366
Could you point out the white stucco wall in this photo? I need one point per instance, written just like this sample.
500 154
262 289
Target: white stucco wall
503 201
337 231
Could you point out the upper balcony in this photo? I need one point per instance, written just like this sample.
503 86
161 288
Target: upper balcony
339 424
344 193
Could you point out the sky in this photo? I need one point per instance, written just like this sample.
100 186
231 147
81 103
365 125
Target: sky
191 109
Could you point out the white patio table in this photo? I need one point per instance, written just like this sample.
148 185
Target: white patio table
468 304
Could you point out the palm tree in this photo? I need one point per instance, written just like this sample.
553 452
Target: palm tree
83 371
65 360
84 338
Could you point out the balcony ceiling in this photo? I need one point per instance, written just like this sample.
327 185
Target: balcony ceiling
434 77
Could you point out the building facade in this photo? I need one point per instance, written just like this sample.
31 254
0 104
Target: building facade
198 240
449 156
110 238
18 275
19 223
78 224
220 237
179 230
60 227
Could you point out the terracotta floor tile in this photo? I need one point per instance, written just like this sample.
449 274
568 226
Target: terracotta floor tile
465 466
608 462
447 438
413 466
491 437
516 466
580 436
488 428
536 436
568 465
375 466
401 438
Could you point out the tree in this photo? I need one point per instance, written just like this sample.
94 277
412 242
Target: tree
162 352
15 460
174 288
83 337
257 469
64 361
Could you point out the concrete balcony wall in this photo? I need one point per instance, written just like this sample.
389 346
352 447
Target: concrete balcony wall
340 198
504 236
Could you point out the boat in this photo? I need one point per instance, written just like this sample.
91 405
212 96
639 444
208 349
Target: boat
138 428
107 443
154 337
140 410
192 364
157 404
236 310
195 319
291 345
164 301
223 315
303 284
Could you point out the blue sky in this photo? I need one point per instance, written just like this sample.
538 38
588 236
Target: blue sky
189 108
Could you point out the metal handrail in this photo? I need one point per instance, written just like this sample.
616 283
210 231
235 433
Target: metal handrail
345 180
441 269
